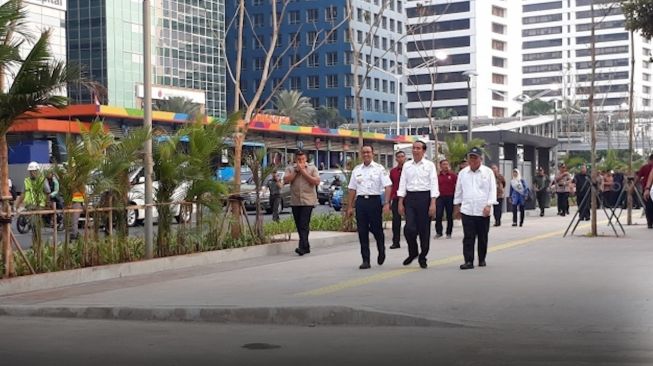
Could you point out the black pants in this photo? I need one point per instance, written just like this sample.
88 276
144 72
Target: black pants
540 196
302 216
649 211
396 222
475 227
584 200
498 210
369 219
275 201
519 208
563 203
418 223
444 203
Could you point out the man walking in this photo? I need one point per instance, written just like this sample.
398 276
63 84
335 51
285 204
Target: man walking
501 193
303 178
274 187
395 175
582 182
562 186
447 185
476 193
418 190
368 181
642 178
540 185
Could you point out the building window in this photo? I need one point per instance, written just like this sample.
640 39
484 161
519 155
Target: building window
257 2
392 25
295 83
311 38
331 14
332 81
348 58
498 79
377 105
333 37
646 89
293 17
499 62
368 104
377 84
331 58
313 60
498 28
258 63
392 87
296 39
498 11
384 86
498 112
348 80
313 82
393 107
315 102
311 15
368 83
349 102
646 102
498 45
332 102
258 20
646 77
293 60
385 106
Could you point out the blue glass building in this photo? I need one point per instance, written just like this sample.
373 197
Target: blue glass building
327 75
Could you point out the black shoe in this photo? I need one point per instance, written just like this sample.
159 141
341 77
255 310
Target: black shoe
409 260
497 224
448 236
482 264
467 265
300 251
514 224
521 224
395 246
542 214
364 265
438 236
380 259
423 264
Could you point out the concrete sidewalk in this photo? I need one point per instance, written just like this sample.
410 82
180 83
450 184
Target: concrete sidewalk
534 278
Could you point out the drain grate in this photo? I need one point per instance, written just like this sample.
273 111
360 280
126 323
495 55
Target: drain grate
260 346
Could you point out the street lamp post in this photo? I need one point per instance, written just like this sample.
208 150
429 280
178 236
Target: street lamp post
147 123
470 125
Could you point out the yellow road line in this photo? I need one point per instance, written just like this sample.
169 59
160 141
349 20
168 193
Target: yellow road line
439 262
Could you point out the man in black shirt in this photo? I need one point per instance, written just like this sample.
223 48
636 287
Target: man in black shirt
582 182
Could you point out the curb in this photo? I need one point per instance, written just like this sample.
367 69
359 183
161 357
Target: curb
46 281
297 316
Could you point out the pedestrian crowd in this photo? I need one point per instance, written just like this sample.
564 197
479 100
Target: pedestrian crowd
415 191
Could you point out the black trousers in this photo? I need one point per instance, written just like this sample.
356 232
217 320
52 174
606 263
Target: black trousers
519 208
540 196
649 211
418 223
302 216
444 203
475 227
275 202
396 222
563 202
369 219
497 210
584 200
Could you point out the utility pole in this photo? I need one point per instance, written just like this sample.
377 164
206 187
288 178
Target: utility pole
470 123
147 123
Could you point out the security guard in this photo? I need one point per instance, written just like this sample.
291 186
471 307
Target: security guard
368 181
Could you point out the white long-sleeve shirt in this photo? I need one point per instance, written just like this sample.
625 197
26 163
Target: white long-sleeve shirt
418 177
475 190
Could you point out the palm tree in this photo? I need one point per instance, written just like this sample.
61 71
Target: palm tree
36 77
457 148
293 105
329 117
178 105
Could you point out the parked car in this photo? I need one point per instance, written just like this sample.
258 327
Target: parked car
249 194
326 181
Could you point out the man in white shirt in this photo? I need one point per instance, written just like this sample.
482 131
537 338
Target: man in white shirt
476 193
368 181
418 190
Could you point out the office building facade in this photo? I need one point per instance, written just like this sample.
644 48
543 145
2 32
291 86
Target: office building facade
106 38
477 41
326 77
557 54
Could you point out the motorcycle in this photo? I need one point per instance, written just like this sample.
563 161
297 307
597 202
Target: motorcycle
336 198
24 223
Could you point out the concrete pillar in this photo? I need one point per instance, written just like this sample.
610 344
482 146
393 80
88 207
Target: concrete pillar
510 153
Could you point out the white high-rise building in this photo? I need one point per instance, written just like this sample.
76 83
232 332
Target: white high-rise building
43 15
477 37
556 54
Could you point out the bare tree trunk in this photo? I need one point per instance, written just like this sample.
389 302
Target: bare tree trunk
592 124
239 54
631 130
7 256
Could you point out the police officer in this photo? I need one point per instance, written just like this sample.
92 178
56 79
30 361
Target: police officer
368 181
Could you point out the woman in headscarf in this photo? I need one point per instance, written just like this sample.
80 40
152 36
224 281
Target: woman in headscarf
518 194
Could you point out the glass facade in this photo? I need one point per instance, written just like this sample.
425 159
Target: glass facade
106 36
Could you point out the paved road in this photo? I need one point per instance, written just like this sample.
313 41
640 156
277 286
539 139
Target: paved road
542 300
25 240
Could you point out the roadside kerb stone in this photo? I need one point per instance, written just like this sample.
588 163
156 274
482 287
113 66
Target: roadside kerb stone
43 281
302 316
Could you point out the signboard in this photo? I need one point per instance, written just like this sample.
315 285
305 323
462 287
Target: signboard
55 4
162 93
